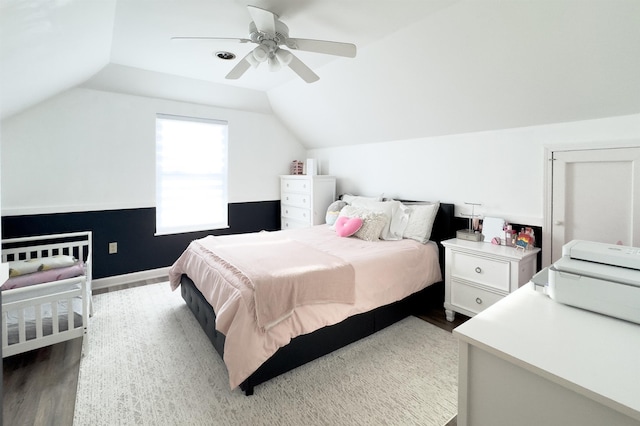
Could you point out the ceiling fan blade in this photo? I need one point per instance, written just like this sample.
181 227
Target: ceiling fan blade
239 40
241 67
265 21
347 50
302 70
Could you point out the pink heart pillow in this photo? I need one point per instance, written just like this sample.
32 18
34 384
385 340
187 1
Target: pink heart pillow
347 226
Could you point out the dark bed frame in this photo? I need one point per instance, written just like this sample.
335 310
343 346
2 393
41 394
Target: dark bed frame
308 347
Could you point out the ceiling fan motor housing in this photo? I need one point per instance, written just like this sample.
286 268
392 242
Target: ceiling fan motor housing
280 37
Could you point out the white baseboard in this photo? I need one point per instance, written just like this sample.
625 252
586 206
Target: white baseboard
130 278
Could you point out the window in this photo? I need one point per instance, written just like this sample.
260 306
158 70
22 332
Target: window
191 174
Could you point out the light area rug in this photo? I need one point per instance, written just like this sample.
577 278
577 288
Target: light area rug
149 363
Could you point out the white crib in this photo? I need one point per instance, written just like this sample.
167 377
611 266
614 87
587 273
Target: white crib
44 314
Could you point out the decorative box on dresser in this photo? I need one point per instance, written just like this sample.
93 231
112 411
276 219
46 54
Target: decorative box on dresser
478 274
304 199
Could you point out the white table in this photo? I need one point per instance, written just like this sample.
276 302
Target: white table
528 360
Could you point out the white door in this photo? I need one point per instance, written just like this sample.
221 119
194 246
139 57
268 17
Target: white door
596 197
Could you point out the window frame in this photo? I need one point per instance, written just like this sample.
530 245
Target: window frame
220 220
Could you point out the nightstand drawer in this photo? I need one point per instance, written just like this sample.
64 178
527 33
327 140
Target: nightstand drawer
296 200
490 272
296 185
296 213
472 298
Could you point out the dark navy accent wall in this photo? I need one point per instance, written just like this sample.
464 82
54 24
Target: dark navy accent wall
133 229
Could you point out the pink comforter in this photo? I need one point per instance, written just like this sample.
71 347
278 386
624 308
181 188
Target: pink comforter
279 274
385 272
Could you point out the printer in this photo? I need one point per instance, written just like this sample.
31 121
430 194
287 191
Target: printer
599 277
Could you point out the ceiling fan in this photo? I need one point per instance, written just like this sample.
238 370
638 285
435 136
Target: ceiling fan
271 35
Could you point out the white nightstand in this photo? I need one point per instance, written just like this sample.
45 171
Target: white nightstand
478 274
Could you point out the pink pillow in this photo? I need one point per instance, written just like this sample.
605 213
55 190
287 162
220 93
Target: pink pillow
347 226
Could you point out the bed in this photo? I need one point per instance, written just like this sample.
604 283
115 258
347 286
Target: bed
47 298
257 346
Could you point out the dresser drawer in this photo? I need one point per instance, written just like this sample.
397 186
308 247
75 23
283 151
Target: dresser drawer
472 298
296 185
296 200
287 223
490 272
296 213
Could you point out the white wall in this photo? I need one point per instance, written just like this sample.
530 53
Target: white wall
471 67
503 169
93 150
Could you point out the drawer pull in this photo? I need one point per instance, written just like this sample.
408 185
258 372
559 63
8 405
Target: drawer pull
478 269
286 211
304 200
478 301
287 198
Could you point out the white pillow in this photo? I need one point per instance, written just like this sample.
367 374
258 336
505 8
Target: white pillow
421 217
397 216
399 222
372 222
333 211
348 198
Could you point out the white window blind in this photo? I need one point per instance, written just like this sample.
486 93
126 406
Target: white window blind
191 174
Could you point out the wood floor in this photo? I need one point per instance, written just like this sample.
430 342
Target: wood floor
37 391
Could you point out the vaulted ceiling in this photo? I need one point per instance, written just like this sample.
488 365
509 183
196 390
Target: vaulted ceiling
423 68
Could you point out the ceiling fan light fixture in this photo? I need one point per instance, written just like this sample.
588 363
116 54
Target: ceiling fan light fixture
274 63
260 53
284 56
252 60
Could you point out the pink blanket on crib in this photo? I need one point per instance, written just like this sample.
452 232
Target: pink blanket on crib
44 276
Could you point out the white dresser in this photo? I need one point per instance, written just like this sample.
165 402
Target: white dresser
478 274
304 199
531 361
